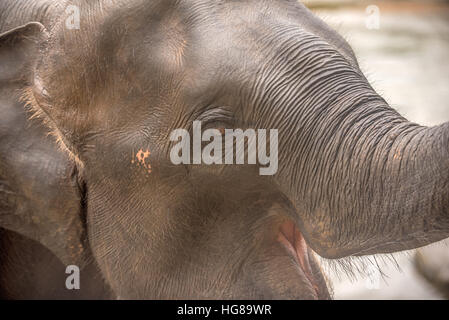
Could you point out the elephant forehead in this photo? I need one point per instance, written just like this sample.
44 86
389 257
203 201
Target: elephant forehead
185 38
167 42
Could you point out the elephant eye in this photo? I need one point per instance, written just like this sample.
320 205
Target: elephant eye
215 124
216 118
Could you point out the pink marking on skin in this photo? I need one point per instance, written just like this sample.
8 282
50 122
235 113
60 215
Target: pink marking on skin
142 157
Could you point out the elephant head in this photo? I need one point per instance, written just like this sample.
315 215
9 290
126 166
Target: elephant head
354 177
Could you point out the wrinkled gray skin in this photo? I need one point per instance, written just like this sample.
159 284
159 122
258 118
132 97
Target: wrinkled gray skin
41 205
354 176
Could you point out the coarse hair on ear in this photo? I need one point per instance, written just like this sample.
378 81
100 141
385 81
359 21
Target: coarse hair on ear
42 196
19 55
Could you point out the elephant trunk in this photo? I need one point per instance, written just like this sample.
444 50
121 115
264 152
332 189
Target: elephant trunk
377 184
362 178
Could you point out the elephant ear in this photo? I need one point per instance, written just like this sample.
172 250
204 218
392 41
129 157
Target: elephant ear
19 49
40 193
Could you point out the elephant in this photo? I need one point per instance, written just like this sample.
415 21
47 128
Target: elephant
92 180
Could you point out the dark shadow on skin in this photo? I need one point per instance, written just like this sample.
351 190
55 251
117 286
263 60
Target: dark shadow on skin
30 271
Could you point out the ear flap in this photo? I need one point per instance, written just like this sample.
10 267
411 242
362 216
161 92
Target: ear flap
40 195
18 51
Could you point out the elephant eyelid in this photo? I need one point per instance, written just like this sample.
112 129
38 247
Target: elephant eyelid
216 114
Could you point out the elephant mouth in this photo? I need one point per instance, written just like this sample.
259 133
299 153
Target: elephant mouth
294 243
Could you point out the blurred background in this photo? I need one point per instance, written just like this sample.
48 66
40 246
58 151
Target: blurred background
403 49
